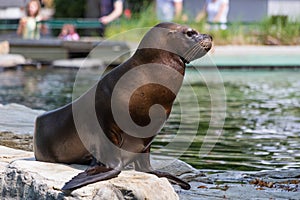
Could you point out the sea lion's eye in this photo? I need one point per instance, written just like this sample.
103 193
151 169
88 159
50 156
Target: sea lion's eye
191 32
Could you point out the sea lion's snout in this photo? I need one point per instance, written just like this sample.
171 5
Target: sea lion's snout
204 37
207 38
205 41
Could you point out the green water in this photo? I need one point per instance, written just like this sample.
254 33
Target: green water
262 126
261 129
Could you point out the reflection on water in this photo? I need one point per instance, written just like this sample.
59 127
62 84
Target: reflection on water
262 128
261 131
45 89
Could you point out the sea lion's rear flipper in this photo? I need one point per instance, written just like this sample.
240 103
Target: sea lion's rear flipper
91 175
173 179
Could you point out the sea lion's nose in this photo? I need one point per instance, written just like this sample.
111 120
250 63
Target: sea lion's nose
206 36
206 42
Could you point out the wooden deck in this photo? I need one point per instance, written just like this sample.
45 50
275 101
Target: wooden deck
48 50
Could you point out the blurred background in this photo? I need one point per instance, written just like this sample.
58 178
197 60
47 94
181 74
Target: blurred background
256 56
274 22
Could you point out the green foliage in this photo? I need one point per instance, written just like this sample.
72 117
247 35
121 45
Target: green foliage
69 8
137 6
274 30
146 19
280 31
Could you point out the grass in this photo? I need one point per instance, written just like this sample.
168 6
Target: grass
139 24
279 31
270 31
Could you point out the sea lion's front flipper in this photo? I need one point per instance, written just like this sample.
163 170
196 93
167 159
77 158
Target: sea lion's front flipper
173 179
91 175
142 163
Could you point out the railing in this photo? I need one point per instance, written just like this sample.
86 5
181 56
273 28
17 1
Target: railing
9 24
12 24
90 23
78 23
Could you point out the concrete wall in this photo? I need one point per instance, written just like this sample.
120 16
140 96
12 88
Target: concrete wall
239 10
12 3
250 10
247 10
291 8
10 9
11 13
192 7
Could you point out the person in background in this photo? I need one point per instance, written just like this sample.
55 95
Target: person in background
68 32
28 27
168 10
216 12
110 10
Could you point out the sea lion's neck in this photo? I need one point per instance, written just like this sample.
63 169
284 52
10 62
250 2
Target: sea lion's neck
150 55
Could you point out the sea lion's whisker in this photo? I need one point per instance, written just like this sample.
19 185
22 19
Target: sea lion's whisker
191 52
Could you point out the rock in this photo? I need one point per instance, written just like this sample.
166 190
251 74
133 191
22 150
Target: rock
289 173
17 119
239 185
29 179
11 60
17 141
79 63
8 155
177 167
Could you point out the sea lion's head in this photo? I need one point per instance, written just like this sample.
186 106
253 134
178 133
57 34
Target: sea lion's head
182 40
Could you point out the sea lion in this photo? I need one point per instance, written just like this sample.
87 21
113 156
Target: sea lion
130 104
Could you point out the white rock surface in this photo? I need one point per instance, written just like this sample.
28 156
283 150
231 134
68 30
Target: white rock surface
11 60
8 155
25 178
78 63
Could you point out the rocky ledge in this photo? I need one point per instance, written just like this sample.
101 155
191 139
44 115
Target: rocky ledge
21 177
